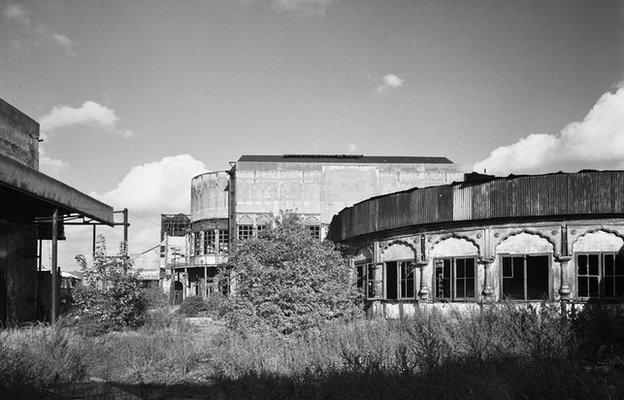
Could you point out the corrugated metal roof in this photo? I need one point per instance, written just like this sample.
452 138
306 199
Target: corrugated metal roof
343 158
483 197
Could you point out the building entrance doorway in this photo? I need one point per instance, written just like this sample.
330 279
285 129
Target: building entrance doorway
178 289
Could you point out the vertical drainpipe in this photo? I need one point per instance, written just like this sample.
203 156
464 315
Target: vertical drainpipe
53 268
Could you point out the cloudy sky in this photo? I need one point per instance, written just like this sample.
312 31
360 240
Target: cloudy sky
136 97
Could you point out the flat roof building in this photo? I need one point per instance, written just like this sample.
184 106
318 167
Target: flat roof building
239 203
31 204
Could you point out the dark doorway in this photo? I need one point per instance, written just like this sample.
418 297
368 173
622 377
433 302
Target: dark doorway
391 280
178 289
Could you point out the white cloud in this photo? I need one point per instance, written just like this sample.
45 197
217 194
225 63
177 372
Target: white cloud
50 166
157 187
90 114
389 82
147 190
595 142
35 32
65 42
304 7
14 11
352 148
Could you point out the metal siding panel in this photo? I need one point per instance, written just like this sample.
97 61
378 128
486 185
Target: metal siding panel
445 204
481 201
405 210
617 192
500 198
462 203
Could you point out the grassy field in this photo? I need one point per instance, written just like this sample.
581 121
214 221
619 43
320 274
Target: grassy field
499 352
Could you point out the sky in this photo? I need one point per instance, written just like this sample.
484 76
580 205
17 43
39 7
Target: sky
136 97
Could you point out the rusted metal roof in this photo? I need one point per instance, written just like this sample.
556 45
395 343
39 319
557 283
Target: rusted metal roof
27 194
486 197
344 158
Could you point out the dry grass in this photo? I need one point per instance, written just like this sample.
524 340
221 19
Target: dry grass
501 352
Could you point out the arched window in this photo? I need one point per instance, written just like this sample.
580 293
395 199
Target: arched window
525 267
454 269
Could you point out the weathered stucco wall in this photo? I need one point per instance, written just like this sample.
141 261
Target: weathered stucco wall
18 271
209 196
18 136
323 189
491 243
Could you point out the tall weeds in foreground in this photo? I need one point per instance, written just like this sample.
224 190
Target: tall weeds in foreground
499 352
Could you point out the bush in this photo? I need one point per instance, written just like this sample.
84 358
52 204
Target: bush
155 297
193 306
290 281
112 298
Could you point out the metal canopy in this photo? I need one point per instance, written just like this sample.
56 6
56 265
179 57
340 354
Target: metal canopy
26 194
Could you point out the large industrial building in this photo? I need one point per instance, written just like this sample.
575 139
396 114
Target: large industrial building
33 207
520 238
238 203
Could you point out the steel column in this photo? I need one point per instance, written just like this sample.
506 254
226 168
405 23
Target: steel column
54 266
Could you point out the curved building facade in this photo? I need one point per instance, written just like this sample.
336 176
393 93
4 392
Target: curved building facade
209 238
239 204
521 238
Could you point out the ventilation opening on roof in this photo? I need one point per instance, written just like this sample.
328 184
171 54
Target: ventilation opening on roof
323 156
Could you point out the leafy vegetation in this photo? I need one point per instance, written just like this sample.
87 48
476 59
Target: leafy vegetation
112 297
289 281
193 306
499 352
295 337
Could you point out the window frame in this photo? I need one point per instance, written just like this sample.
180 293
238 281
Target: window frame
400 279
210 248
601 274
453 278
315 231
364 287
223 245
197 242
549 257
248 228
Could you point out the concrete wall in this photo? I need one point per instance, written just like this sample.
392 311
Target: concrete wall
323 189
209 196
18 271
18 136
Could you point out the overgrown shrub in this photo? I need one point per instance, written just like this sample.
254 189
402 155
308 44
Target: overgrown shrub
35 358
193 306
155 297
112 297
289 280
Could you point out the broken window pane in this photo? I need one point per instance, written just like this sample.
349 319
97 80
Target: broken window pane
407 279
443 278
537 272
370 281
513 281
361 276
391 280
